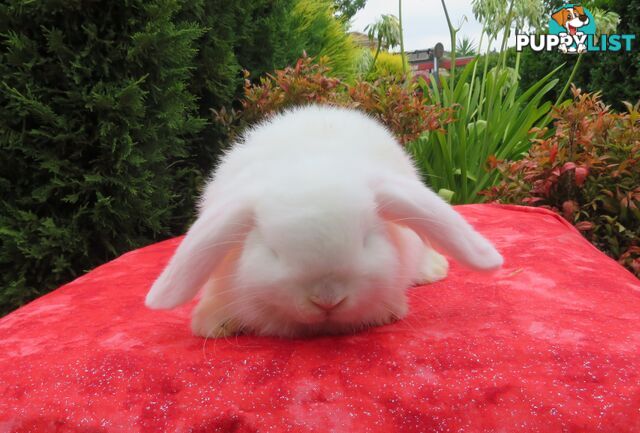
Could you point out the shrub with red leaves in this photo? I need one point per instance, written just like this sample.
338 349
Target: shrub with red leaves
588 171
399 105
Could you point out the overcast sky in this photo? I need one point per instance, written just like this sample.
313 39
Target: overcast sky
423 20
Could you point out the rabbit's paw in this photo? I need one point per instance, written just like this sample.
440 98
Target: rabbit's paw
395 311
434 267
211 321
211 328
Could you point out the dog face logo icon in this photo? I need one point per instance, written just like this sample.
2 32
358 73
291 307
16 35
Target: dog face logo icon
572 23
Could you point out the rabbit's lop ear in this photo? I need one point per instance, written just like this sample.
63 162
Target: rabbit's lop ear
409 203
216 231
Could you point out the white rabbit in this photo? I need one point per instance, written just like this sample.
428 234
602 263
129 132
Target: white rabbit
316 222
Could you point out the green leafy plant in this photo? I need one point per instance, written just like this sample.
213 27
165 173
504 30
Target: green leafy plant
386 33
493 119
322 35
588 171
388 65
465 47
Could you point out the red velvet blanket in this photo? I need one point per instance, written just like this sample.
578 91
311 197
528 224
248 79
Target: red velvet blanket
550 343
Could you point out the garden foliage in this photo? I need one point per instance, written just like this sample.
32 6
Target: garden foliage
387 65
493 117
260 36
321 35
588 171
493 113
399 105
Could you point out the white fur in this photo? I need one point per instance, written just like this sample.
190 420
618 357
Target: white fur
314 204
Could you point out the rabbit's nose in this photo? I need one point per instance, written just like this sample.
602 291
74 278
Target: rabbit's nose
326 304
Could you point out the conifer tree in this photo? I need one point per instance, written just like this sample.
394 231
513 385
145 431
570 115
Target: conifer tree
95 118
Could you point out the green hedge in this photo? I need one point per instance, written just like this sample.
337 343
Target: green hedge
259 36
95 119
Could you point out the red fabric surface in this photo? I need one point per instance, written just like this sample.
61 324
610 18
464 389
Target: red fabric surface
550 343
